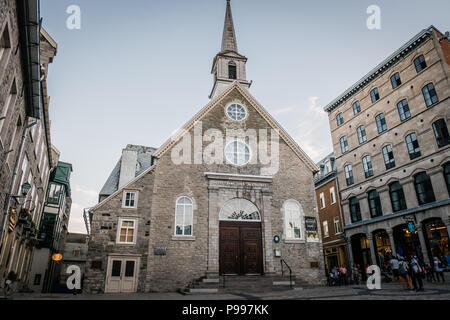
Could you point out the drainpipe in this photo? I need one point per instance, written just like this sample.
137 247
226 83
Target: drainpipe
11 187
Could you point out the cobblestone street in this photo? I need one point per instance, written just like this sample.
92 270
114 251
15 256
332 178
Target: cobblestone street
432 291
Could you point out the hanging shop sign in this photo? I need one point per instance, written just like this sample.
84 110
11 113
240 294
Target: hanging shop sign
311 229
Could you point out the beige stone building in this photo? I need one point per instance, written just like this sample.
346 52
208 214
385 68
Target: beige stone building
25 145
231 194
390 137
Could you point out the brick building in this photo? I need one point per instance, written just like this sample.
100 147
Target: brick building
334 243
26 50
184 212
390 137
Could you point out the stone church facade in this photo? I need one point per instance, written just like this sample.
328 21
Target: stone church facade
206 203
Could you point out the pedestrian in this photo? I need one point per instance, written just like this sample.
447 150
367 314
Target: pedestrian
394 265
335 276
343 273
355 274
403 271
416 274
439 269
427 272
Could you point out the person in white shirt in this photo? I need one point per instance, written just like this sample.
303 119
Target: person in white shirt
438 268
394 265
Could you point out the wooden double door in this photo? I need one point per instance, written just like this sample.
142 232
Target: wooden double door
122 274
240 248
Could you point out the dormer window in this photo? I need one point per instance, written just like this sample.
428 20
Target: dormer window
232 71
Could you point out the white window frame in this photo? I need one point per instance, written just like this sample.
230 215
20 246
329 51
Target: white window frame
239 104
183 223
231 161
326 232
119 228
288 231
322 200
332 195
337 223
124 199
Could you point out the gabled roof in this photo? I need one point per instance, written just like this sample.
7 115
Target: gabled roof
381 68
144 159
143 173
257 106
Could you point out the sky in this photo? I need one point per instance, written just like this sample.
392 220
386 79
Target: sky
137 70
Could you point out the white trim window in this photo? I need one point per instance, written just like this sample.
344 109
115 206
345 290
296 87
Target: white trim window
126 233
293 220
322 200
325 229
236 112
332 195
337 225
129 199
238 153
184 214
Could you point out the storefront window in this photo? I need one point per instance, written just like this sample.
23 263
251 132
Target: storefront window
437 239
382 248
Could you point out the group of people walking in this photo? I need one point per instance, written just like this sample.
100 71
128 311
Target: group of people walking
410 272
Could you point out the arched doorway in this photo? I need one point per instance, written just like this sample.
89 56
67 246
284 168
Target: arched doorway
382 245
437 239
407 241
240 238
361 251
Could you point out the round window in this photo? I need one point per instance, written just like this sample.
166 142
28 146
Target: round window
236 112
238 153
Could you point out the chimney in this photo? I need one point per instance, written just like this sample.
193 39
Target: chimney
127 166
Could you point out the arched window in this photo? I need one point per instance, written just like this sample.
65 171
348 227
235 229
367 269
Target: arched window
403 110
361 134
184 213
395 80
424 189
429 94
293 217
239 209
413 146
344 144
397 196
367 165
355 210
339 119
447 176
420 63
356 108
388 156
381 123
441 133
349 174
374 95
374 204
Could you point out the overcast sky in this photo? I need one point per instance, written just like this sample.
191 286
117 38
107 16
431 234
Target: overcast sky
139 69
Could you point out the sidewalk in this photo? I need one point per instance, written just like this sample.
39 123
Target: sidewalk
391 291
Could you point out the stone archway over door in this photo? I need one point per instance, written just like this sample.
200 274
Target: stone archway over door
240 238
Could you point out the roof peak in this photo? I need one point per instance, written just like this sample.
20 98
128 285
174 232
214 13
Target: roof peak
229 42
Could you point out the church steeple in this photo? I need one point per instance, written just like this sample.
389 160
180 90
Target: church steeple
229 36
228 64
